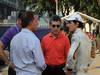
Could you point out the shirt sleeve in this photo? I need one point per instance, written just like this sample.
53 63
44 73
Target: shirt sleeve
7 36
38 55
74 45
43 46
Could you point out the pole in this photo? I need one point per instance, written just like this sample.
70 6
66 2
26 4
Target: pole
56 7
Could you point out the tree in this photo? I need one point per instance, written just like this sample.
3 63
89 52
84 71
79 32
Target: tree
89 7
23 4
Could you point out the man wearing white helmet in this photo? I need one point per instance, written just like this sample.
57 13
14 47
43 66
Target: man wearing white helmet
80 46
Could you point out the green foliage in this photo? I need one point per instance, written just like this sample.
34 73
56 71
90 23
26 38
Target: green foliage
89 7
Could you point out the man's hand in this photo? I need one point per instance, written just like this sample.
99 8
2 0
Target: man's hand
86 69
10 64
3 54
68 71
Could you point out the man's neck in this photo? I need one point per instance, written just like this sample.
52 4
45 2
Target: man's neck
29 28
56 34
19 26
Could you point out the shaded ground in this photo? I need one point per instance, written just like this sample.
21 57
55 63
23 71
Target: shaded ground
96 64
95 67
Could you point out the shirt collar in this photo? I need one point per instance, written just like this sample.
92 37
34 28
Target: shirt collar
77 30
59 35
27 30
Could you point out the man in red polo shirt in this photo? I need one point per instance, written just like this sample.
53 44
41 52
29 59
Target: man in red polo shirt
55 47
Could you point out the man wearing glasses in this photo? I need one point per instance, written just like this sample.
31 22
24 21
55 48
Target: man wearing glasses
55 47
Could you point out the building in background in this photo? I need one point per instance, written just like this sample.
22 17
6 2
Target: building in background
6 8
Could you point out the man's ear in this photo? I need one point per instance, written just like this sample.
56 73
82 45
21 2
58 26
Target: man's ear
50 26
77 23
18 21
30 23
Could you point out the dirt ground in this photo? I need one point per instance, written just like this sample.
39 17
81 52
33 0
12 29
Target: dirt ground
95 67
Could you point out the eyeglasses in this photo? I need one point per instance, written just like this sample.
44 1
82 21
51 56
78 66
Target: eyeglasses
55 26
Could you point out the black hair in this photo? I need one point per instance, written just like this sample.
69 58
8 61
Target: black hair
27 17
65 27
20 13
81 25
55 18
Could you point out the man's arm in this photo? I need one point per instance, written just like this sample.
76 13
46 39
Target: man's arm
67 47
38 54
74 45
43 46
2 54
70 62
4 41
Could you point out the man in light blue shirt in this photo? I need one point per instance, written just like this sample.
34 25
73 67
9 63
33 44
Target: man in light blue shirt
26 54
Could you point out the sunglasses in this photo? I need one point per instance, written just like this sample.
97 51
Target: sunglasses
55 26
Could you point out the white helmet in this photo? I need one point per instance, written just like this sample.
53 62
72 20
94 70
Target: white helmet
75 16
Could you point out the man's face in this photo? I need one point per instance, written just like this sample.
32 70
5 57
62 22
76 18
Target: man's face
72 26
55 26
19 23
35 23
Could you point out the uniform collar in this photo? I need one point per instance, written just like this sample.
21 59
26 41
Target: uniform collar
52 35
27 30
77 30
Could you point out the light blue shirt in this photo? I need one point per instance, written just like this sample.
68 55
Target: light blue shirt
26 53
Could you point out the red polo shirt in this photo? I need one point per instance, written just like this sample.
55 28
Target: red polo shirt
55 49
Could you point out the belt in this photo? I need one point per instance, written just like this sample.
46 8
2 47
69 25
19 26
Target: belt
56 66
